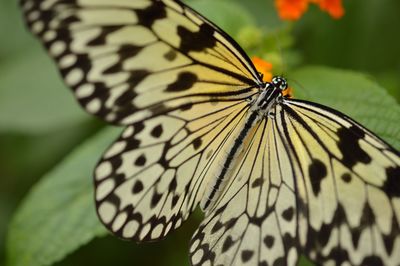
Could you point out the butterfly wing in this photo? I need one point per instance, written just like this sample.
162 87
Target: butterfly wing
254 221
154 175
324 184
349 193
178 82
315 182
127 61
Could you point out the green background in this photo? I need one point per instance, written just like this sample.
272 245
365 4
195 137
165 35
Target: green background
49 146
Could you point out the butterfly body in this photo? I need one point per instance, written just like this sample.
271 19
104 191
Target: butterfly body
220 179
261 107
276 177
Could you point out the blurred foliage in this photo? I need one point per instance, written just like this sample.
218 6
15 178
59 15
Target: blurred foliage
48 145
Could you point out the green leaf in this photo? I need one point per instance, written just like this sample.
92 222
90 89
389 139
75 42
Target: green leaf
303 261
352 93
58 215
15 37
363 39
33 99
228 15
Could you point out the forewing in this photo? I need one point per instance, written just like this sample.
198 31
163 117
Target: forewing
254 222
348 187
154 175
128 60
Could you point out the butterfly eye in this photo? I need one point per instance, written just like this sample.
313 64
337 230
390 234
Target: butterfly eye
280 83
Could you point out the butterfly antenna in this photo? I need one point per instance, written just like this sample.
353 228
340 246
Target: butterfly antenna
305 92
281 54
284 67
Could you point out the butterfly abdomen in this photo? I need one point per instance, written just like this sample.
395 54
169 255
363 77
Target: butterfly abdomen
225 170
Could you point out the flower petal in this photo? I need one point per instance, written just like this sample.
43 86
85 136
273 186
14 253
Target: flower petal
291 9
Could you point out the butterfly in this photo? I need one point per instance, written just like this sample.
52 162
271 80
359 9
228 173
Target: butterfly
276 177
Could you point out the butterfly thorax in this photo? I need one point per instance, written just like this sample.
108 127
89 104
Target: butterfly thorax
266 100
261 107
271 94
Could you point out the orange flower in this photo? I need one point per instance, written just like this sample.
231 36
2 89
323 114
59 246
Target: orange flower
291 9
288 92
294 9
265 68
333 7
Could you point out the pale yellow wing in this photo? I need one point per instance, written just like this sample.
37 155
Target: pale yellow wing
254 221
128 60
312 182
348 187
179 83
153 176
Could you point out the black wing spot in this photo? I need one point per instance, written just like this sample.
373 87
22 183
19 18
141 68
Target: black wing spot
197 143
151 14
172 186
155 199
157 131
269 241
346 177
247 255
170 55
196 41
279 261
116 162
186 106
341 255
159 108
230 223
257 182
392 183
138 127
228 243
372 260
288 214
128 50
317 171
367 217
355 236
137 187
185 81
141 160
289 240
174 201
218 225
324 234
132 144
390 238
124 101
350 148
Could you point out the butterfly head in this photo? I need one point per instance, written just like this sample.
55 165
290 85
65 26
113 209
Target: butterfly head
279 83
